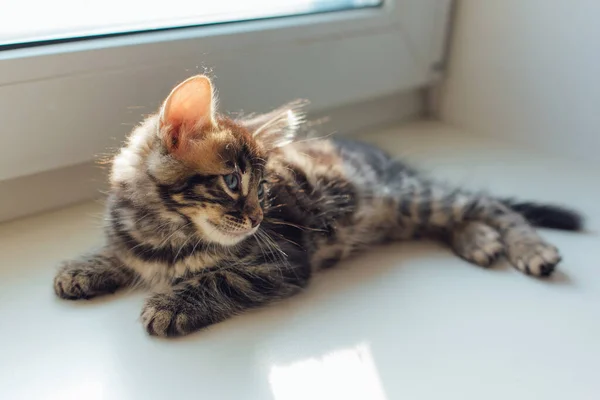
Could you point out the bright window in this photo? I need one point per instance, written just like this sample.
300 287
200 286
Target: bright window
23 22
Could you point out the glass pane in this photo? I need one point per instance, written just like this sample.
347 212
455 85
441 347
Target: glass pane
25 21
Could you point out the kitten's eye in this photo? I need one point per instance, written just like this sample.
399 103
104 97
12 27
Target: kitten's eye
261 189
232 181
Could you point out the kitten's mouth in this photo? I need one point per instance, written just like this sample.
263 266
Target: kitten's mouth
234 234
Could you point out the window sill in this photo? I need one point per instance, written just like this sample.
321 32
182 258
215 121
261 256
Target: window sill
415 302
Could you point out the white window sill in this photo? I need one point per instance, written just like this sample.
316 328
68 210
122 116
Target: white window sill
417 323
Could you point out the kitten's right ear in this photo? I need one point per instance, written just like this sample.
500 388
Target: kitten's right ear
279 127
186 113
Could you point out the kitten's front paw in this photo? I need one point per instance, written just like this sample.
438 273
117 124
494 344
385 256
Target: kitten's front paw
76 280
534 257
168 315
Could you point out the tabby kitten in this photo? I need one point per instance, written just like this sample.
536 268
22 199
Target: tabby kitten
216 216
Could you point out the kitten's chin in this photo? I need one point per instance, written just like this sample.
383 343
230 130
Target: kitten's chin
215 234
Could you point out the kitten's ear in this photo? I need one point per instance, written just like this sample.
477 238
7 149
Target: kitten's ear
187 111
279 127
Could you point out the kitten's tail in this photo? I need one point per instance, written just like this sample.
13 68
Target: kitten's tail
547 215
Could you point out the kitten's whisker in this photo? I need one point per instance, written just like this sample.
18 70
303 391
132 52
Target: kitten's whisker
173 233
277 263
315 138
280 236
158 229
274 246
270 240
181 248
278 222
278 256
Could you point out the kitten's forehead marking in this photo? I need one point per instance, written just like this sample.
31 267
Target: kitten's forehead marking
246 182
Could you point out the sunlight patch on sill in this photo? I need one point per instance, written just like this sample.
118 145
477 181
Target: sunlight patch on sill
345 374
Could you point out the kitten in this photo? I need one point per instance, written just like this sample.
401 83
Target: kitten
216 216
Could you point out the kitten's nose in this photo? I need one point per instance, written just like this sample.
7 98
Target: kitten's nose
255 219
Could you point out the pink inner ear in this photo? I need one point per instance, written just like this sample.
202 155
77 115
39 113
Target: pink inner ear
188 108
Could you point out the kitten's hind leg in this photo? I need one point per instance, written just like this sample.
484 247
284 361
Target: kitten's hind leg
92 275
524 247
477 243
426 206
529 253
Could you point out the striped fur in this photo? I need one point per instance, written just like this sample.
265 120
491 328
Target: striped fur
180 232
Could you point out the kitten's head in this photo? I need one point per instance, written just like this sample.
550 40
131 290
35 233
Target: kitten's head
202 165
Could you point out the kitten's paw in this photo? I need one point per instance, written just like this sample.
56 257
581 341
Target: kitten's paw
477 243
534 257
73 283
168 315
70 285
87 278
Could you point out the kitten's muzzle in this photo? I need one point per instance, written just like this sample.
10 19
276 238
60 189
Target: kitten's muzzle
255 219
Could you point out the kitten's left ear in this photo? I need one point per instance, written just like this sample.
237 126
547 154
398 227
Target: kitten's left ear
188 110
279 127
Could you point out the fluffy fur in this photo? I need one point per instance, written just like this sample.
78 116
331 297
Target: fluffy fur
209 249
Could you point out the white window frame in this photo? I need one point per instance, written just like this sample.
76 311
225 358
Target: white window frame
63 104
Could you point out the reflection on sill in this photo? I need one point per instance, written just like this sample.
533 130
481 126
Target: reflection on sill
344 374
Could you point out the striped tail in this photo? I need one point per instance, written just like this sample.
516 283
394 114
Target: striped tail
547 215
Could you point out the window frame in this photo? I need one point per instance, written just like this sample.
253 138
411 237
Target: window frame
123 50
402 41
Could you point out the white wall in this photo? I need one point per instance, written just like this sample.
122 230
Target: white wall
527 70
